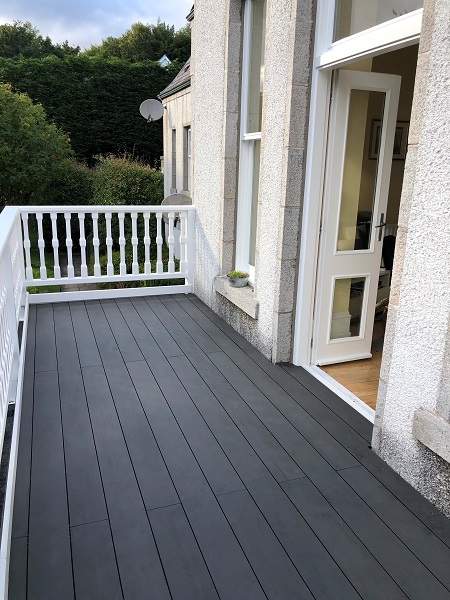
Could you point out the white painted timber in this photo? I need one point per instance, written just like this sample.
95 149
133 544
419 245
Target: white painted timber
86 275
13 308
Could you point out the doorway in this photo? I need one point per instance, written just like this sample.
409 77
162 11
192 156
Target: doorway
368 129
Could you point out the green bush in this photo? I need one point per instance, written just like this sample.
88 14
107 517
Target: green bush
33 151
123 181
74 186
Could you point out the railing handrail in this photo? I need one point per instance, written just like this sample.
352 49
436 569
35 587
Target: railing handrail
97 208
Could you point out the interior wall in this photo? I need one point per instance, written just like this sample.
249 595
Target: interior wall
401 62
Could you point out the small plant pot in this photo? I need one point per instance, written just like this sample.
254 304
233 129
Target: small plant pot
238 281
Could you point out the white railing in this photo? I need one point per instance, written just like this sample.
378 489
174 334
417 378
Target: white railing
13 310
12 301
70 245
100 230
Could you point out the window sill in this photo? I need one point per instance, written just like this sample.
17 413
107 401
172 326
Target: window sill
433 431
243 298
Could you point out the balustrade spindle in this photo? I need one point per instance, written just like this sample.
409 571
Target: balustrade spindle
171 242
41 246
109 243
69 245
84 269
134 243
96 244
122 241
147 241
27 246
159 241
55 244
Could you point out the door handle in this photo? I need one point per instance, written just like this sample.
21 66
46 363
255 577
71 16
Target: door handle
380 227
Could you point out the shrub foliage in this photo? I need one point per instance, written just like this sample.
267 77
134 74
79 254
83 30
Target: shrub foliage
33 152
122 181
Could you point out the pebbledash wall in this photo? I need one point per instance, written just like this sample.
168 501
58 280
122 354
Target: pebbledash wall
265 314
412 423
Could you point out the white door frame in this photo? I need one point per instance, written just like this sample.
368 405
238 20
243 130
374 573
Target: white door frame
393 35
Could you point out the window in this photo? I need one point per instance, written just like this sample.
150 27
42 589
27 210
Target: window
174 162
187 159
250 133
353 16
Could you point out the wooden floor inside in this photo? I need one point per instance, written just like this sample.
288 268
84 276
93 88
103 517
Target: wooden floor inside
361 377
162 457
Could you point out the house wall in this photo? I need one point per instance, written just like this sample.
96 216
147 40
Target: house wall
414 397
177 115
215 78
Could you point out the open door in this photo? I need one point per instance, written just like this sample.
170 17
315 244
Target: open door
361 139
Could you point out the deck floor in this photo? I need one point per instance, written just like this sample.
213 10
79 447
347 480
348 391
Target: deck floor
161 456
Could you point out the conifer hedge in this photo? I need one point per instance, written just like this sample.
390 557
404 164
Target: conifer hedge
96 100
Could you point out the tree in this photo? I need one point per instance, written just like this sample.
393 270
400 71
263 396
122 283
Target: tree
146 42
22 39
33 151
96 99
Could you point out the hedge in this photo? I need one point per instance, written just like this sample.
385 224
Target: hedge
95 99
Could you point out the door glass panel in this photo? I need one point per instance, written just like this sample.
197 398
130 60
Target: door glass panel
255 191
353 16
359 180
347 307
256 66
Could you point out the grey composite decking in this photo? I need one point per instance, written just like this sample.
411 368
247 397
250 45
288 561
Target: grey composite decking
161 456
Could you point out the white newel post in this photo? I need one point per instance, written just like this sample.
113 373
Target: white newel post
191 254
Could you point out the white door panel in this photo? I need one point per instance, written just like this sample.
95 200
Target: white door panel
362 128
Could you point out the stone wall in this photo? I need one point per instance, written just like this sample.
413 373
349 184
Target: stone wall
414 401
216 75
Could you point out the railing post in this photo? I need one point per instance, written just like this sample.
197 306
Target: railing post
191 253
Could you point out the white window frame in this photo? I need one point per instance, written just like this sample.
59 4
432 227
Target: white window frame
173 161
187 158
394 34
246 159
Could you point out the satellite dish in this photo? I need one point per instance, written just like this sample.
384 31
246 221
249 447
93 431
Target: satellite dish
151 110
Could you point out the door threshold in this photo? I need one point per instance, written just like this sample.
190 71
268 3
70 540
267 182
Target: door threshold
342 392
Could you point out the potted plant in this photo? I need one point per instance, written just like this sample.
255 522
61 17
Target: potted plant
237 278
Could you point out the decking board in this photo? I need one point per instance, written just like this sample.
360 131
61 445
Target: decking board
94 562
186 570
169 459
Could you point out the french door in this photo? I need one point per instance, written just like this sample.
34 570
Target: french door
361 139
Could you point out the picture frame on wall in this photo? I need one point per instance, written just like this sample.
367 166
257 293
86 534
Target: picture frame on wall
400 139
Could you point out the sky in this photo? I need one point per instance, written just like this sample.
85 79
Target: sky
87 22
